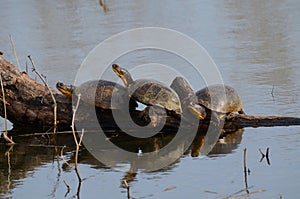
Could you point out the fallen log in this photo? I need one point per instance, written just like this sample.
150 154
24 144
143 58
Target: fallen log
243 120
29 104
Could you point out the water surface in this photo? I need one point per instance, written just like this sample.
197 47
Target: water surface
256 46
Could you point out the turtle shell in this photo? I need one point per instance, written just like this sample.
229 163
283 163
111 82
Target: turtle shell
151 92
100 93
220 98
184 90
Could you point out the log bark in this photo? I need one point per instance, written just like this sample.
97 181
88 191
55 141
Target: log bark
29 104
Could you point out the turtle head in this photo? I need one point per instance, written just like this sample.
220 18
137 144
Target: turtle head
67 90
123 74
197 110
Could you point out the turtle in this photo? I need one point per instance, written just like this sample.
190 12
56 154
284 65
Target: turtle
99 93
149 92
220 99
187 97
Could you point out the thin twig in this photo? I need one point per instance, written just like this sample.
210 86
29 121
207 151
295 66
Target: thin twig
262 155
245 171
58 162
267 156
170 188
77 146
73 119
56 184
103 5
236 193
272 92
62 157
81 136
68 188
5 114
128 188
245 160
26 67
14 50
75 139
76 163
7 153
78 190
245 195
51 93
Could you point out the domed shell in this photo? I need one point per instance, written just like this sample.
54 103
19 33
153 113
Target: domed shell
100 93
151 92
220 98
188 99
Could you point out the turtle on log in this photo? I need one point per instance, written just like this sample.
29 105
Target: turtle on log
99 93
149 92
220 98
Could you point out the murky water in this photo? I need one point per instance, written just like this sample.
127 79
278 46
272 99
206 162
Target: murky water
256 46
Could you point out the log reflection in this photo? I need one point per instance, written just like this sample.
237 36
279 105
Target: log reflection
32 152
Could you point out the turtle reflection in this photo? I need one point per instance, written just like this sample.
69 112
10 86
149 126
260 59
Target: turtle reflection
41 150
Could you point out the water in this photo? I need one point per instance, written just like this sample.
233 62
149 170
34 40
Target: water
256 46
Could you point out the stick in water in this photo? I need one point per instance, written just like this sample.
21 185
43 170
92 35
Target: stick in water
5 114
75 139
245 171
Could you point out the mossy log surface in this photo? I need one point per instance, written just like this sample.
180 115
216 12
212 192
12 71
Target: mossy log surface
29 104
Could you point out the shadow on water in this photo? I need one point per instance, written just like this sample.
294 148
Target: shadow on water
33 152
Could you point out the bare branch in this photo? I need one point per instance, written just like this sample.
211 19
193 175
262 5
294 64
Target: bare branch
15 52
75 139
53 98
127 187
68 188
245 171
62 157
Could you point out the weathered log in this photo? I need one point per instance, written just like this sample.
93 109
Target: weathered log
237 121
29 104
